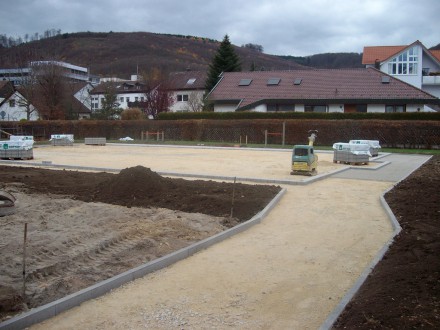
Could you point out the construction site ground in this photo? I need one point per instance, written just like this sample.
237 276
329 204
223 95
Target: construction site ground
290 271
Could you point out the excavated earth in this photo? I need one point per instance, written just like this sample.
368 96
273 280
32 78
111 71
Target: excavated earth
85 227
403 291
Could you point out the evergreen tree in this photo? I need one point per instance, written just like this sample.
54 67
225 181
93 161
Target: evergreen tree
225 60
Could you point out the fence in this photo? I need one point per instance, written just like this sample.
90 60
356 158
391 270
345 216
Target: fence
399 134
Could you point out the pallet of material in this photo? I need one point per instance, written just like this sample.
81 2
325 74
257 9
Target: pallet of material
100 141
62 142
17 154
348 157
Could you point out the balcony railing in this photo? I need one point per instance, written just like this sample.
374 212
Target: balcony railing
431 80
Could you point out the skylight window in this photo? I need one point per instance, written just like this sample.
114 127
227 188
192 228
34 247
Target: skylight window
191 81
297 81
273 81
385 80
245 82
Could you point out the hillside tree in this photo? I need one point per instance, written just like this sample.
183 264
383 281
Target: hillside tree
225 60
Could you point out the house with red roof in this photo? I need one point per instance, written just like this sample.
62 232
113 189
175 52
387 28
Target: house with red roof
317 90
414 64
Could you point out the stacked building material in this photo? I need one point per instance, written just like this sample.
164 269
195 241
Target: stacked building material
351 153
18 147
374 146
62 139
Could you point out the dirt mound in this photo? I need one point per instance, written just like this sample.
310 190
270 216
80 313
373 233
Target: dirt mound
131 184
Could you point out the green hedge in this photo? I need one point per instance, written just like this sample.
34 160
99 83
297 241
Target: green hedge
423 134
299 115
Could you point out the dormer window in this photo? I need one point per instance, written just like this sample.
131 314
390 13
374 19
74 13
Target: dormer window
191 81
405 63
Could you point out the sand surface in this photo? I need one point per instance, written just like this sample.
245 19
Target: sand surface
288 272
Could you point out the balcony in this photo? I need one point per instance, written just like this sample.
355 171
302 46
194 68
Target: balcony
431 80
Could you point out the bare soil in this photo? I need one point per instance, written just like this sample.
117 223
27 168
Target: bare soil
403 291
84 227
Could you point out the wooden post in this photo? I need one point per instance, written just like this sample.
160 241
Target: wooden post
284 132
24 261
265 138
233 197
246 139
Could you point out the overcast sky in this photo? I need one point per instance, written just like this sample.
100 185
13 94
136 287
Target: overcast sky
282 27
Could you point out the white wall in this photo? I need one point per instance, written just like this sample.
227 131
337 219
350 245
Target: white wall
225 107
183 105
16 112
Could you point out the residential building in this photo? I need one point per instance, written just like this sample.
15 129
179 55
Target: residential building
20 76
126 92
13 104
187 90
314 90
413 64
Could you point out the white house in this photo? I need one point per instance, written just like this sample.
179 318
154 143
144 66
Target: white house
127 92
413 64
187 90
13 104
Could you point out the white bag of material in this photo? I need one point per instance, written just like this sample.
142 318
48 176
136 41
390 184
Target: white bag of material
355 149
15 145
68 137
27 139
371 143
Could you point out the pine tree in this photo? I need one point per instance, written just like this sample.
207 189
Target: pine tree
225 60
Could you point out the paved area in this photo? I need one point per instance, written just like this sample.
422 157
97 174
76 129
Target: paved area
289 272
398 167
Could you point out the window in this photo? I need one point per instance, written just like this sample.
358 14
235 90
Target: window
191 81
280 107
395 108
315 108
12 103
127 99
361 108
297 81
121 99
273 81
182 97
136 99
245 82
142 99
405 63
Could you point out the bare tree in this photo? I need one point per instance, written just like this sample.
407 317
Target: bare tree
51 90
195 102
157 97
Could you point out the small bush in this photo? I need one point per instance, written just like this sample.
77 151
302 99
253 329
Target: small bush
132 114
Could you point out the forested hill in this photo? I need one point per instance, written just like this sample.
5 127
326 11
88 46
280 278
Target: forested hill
122 54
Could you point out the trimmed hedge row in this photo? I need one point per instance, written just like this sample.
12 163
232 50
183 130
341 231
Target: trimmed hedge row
299 115
402 133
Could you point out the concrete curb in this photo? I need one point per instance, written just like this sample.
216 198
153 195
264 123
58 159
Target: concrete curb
47 311
337 311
